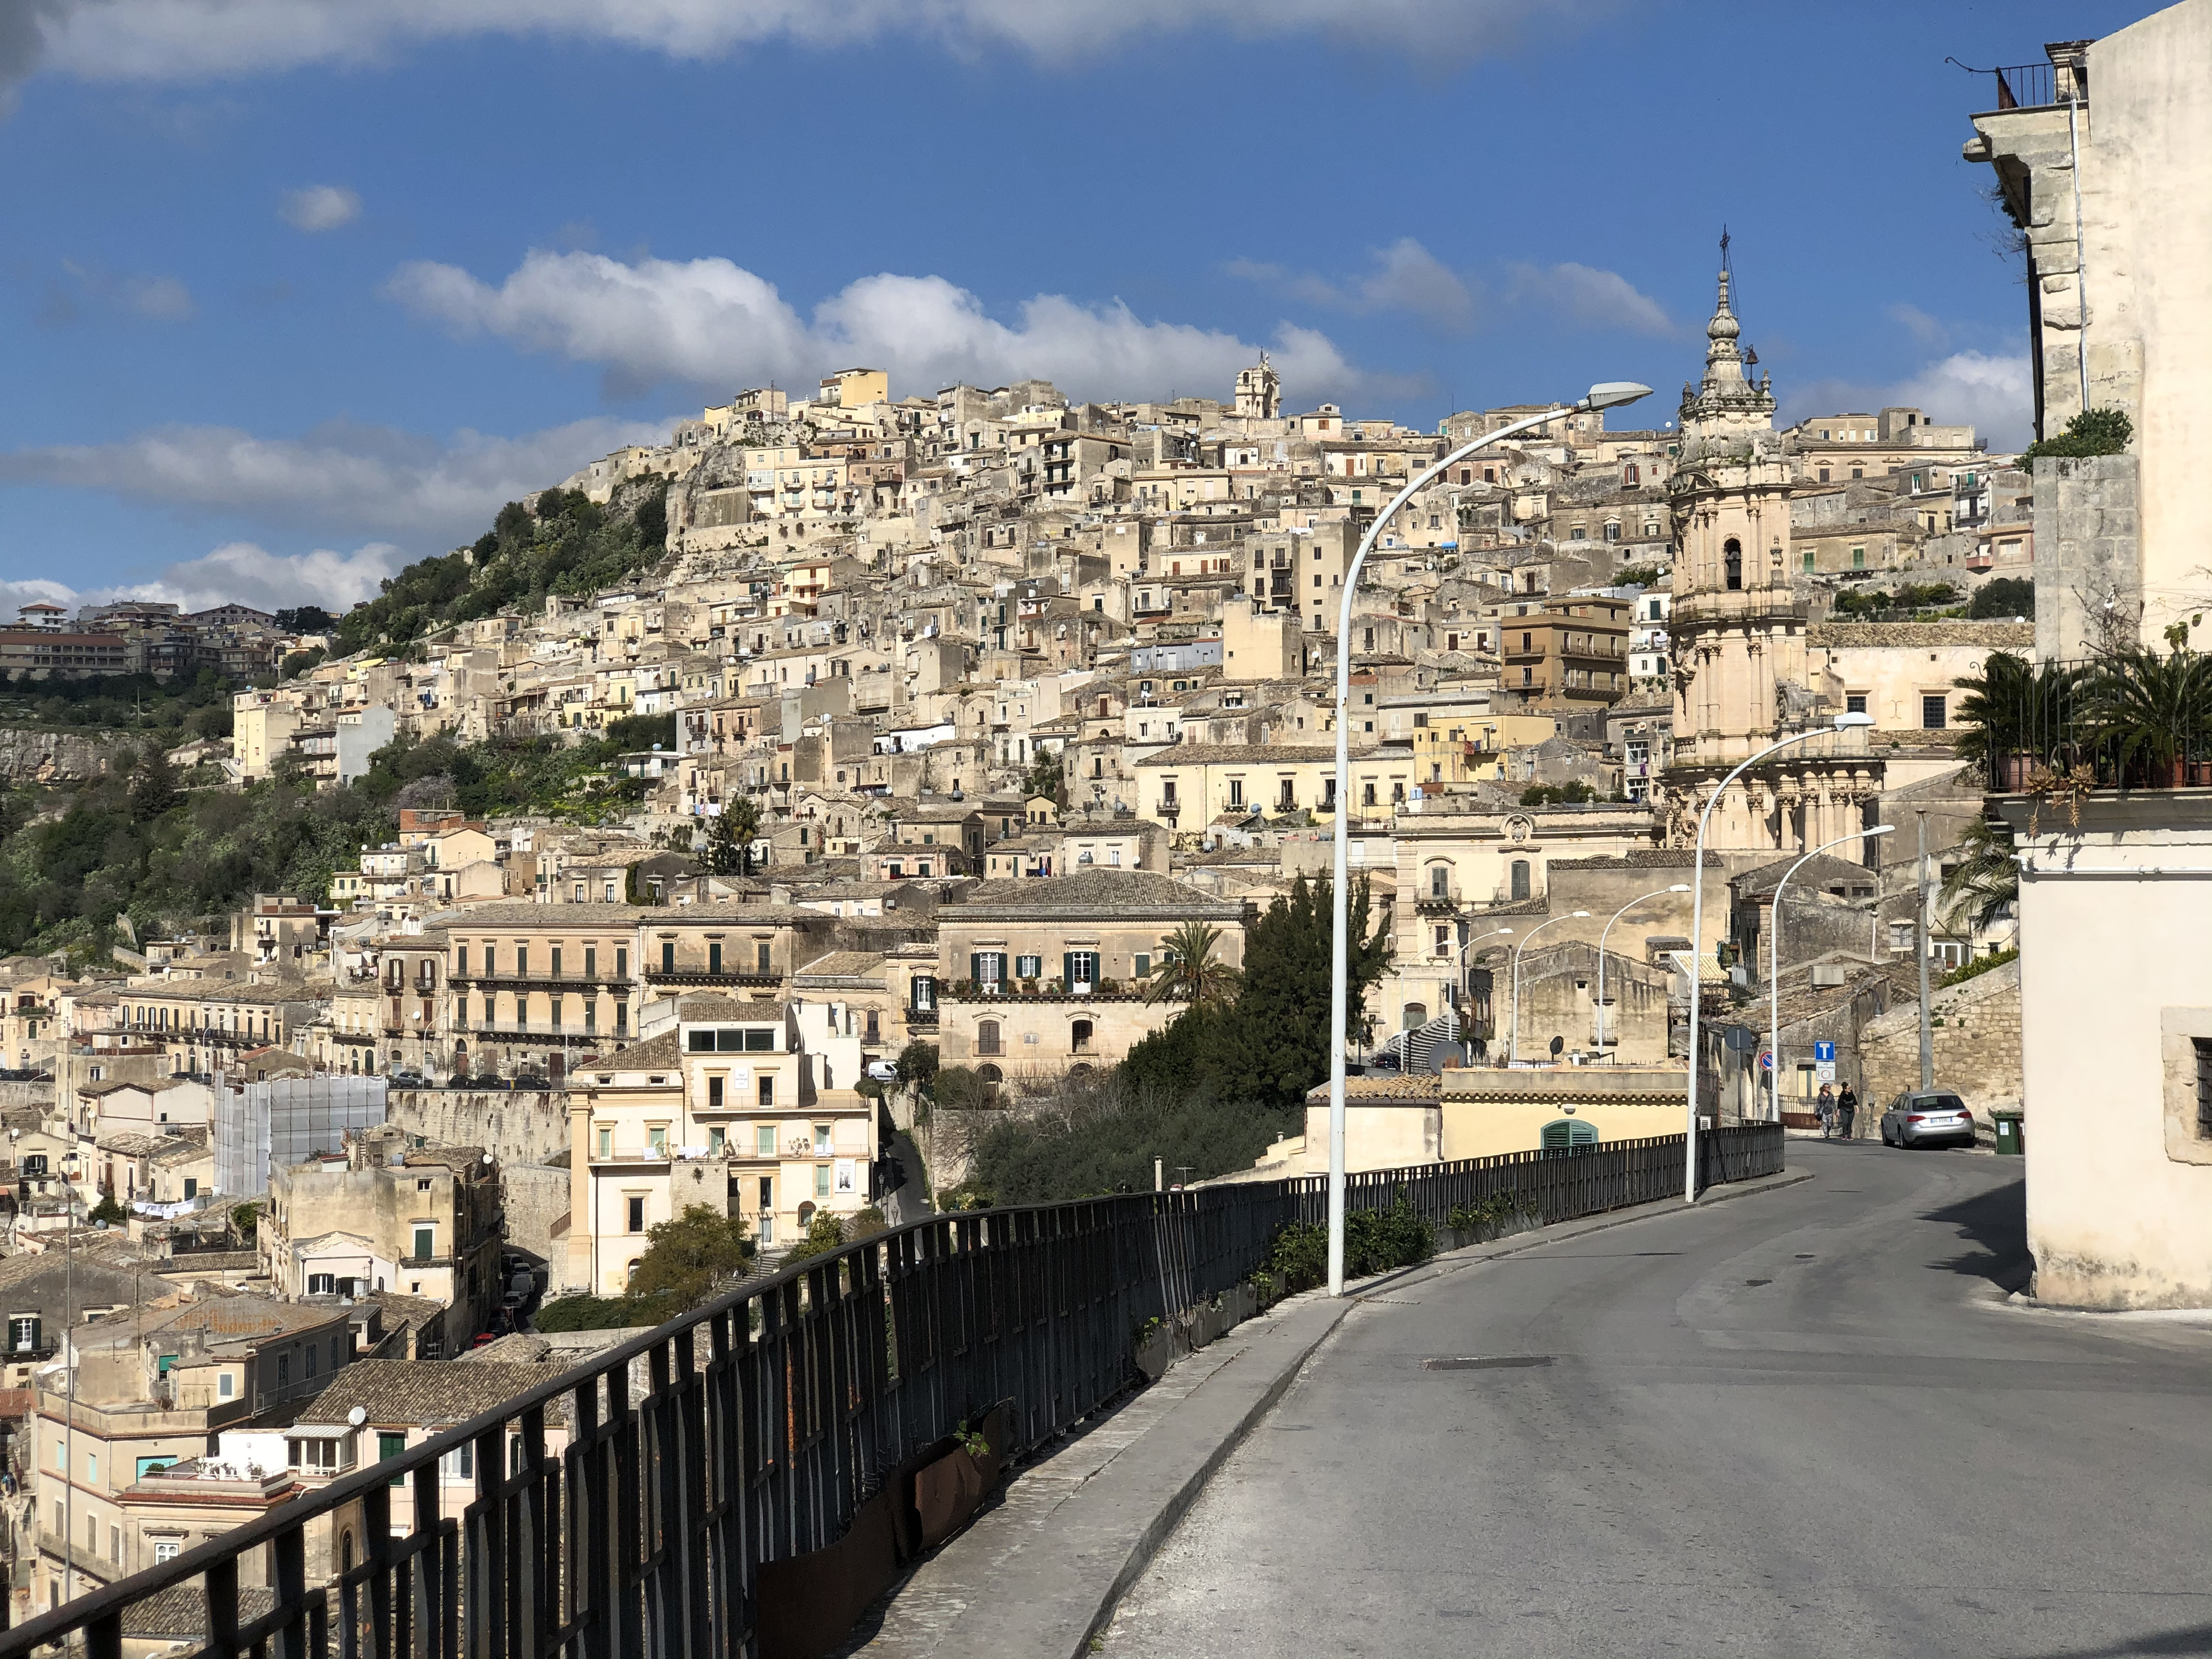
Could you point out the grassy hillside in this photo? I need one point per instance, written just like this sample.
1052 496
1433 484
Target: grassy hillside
173 853
570 546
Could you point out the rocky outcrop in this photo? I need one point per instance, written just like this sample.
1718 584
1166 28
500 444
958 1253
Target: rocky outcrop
53 756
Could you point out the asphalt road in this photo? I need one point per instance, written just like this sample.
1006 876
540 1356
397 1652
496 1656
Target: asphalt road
1799 1422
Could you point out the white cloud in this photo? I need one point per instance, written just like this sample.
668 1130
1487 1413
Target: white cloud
90 287
1995 394
318 207
240 571
710 323
1592 298
171 41
163 297
1928 330
356 476
14 595
1406 277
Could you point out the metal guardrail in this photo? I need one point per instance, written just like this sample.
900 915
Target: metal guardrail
768 1417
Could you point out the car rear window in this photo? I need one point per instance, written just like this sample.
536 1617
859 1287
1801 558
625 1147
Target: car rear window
1938 1104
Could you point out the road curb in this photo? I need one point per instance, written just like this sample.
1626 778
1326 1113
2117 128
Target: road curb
1042 1573
1172 1513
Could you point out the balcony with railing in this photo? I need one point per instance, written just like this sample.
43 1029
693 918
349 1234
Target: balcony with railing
2062 79
2062 730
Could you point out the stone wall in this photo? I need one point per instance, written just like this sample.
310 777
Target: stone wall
2088 546
537 1196
1977 1046
523 1126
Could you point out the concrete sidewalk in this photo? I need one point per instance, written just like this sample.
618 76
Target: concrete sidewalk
1039 1572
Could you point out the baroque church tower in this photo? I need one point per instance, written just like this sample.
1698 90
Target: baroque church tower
1741 674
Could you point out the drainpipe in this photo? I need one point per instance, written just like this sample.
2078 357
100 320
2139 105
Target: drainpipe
2081 280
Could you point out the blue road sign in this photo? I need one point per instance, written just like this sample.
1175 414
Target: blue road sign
1824 1054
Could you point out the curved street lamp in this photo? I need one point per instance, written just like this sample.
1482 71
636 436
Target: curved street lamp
1844 722
1657 892
1607 394
1513 1049
1774 959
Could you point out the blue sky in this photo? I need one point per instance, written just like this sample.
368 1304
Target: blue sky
294 291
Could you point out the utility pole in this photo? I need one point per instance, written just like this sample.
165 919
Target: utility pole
1920 950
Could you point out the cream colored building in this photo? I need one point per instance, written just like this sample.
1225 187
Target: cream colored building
262 724
724 1109
1187 786
2105 161
1043 975
541 986
1742 674
2116 1047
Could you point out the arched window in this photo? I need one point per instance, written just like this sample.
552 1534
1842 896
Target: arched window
1079 1036
1731 554
1413 1014
1440 881
1520 888
987 1036
990 1074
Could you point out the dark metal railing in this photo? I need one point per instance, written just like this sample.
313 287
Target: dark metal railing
2132 720
2029 85
766 1419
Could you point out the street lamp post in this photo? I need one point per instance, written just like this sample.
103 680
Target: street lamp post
1843 722
1774 958
1513 1046
1657 892
1608 394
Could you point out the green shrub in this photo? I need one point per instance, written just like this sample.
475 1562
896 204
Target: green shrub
2093 431
604 1312
1978 967
2002 597
1374 1241
1488 1215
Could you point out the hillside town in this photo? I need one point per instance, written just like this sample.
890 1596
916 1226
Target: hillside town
944 748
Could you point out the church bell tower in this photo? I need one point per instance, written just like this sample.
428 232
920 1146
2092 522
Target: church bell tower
1742 672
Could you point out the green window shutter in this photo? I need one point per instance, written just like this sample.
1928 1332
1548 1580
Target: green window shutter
1067 969
975 966
1144 965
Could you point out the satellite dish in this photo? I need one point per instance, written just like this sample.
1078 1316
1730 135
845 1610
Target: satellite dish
357 1416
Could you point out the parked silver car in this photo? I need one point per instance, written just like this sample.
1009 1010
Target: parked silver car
1933 1117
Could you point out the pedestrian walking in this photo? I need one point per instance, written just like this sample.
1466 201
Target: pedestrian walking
1847 1108
1826 1106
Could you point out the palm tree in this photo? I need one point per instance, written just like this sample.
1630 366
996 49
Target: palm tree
2016 716
1985 880
2153 710
1186 971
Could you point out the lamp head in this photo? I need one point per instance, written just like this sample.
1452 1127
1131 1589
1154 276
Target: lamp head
1612 394
1680 887
1884 829
1845 722
1581 913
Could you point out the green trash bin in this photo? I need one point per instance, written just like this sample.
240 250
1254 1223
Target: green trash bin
2011 1132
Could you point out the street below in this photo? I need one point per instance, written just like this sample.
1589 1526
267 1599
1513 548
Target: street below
1799 1422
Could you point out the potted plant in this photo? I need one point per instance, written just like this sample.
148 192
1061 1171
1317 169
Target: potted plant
2153 711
